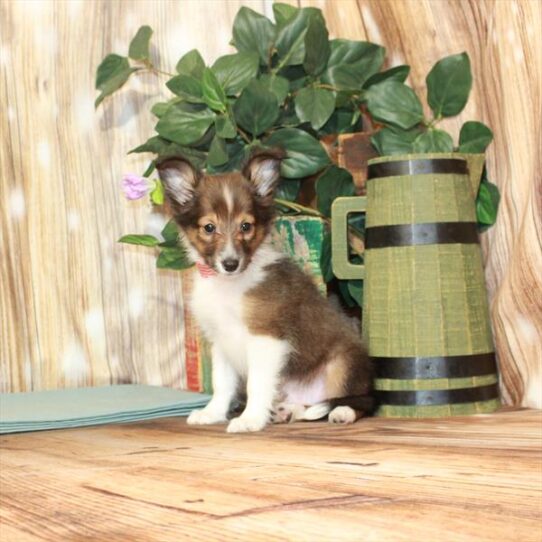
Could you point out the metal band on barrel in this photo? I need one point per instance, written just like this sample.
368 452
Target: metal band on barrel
431 233
411 368
437 397
418 167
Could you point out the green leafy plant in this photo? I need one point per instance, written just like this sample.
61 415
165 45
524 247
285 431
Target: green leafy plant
287 85
405 130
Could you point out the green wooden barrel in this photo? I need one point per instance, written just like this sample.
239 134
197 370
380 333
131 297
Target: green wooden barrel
425 313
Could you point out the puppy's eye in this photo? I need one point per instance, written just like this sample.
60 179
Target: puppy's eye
246 226
209 228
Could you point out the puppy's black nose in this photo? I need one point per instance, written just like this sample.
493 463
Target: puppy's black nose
230 265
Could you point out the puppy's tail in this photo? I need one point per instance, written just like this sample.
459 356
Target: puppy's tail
361 403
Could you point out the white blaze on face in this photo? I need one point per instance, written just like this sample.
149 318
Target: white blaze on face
229 252
228 198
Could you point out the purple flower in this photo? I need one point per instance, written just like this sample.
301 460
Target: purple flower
134 186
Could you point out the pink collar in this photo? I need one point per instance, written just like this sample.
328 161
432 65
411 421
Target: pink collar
206 271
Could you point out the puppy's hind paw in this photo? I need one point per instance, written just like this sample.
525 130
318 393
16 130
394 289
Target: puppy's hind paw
342 415
205 417
246 424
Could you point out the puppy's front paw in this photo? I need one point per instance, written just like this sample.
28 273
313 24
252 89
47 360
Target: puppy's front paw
246 424
205 417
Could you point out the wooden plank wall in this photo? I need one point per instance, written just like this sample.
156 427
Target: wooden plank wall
78 309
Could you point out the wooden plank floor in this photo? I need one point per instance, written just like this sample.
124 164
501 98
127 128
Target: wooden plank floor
477 478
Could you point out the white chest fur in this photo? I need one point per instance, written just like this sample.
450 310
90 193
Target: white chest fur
218 307
217 304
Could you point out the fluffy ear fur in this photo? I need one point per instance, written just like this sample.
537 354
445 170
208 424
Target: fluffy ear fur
179 179
263 170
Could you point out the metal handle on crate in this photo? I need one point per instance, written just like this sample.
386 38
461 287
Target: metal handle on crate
343 268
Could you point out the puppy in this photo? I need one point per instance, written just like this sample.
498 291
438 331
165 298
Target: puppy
272 332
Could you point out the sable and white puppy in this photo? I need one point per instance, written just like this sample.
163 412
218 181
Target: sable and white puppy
273 335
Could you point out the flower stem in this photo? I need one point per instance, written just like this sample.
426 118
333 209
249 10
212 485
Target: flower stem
151 67
244 135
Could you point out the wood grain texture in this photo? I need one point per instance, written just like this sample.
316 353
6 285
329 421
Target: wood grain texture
76 308
464 479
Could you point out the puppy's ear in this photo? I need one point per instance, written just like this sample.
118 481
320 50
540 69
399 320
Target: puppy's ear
179 178
263 170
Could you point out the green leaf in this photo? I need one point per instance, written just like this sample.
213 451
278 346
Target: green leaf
355 117
173 258
399 73
256 109
394 103
352 63
333 183
290 41
154 144
111 74
352 52
296 77
139 46
355 289
474 137
213 93
288 189
304 154
150 168
317 49
314 105
191 64
145 240
343 120
287 117
159 108
448 85
184 125
390 141
345 294
253 32
218 154
187 87
325 258
224 127
157 194
170 233
235 72
278 85
237 155
283 12
165 148
343 78
433 141
487 203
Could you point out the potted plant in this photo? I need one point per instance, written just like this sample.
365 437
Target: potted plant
287 85
426 320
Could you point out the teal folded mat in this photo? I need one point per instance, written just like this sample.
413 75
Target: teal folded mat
78 407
